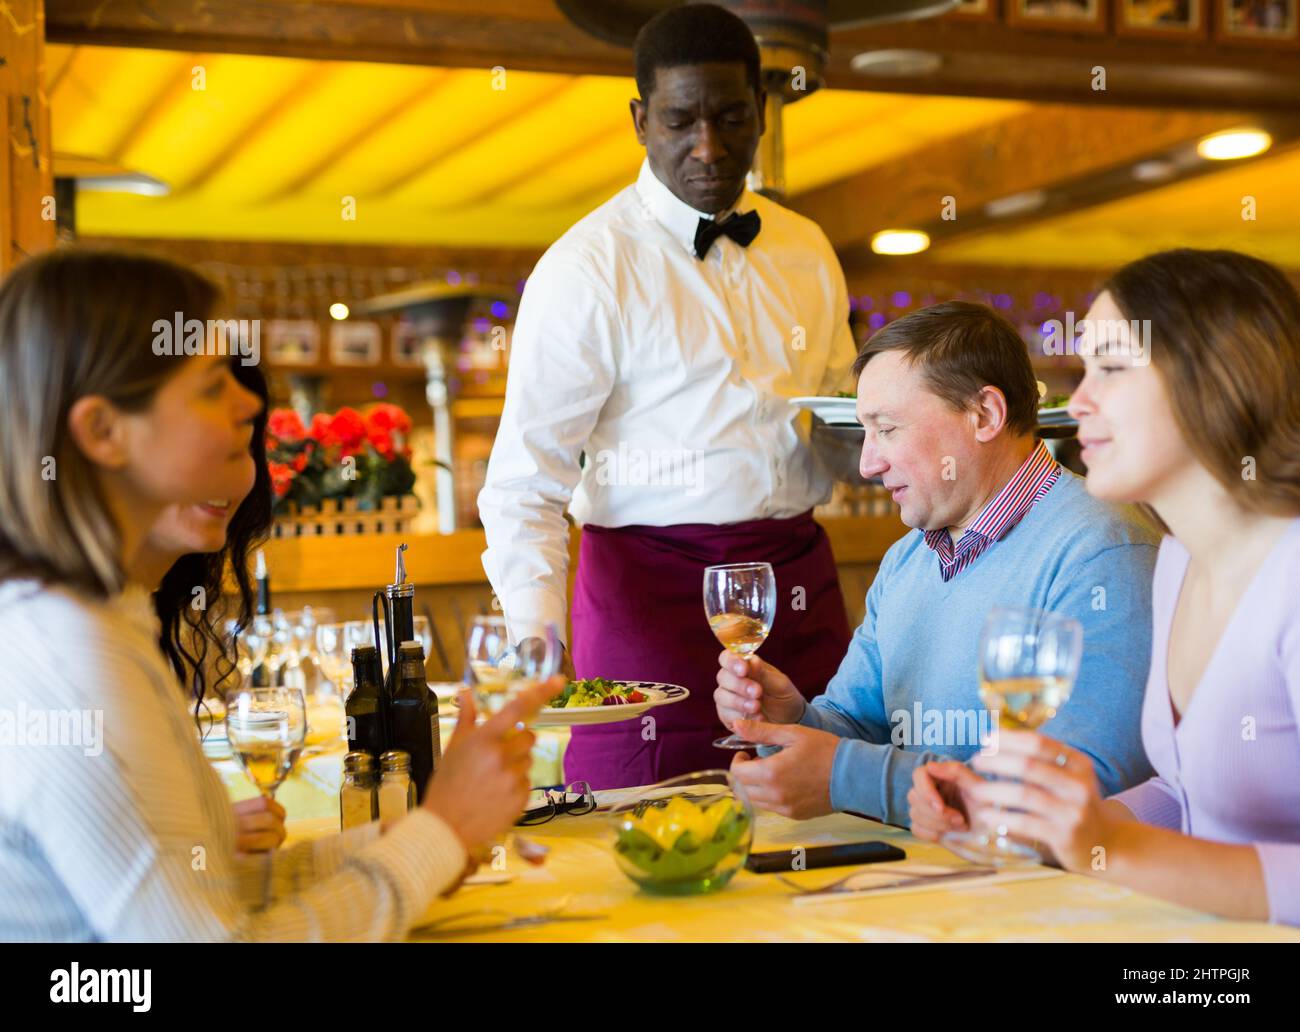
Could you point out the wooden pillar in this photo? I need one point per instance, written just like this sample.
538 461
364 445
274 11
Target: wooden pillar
27 208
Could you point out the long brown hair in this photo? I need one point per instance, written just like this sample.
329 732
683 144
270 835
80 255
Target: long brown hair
75 323
1225 337
195 642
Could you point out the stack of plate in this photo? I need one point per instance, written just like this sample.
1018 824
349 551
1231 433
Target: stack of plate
1054 422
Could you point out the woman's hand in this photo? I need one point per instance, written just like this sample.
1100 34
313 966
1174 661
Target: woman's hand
938 800
482 784
259 825
1058 792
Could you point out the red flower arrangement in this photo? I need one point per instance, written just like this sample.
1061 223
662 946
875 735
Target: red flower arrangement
345 455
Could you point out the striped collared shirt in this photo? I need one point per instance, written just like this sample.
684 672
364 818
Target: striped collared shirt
1033 479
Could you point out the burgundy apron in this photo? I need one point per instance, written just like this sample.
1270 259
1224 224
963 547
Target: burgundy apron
638 615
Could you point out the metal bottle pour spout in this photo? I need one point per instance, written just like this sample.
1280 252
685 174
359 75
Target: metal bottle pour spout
400 588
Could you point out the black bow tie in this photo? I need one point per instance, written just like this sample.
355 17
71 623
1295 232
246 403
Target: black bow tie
741 228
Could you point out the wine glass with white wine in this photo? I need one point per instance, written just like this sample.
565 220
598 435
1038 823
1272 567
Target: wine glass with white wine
740 602
267 729
1028 662
498 671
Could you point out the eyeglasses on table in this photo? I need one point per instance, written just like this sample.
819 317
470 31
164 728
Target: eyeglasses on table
575 799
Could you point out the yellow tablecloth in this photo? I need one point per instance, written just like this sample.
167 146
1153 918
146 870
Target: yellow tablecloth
311 792
758 908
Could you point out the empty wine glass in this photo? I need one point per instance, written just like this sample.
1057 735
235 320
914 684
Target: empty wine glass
334 655
423 633
740 602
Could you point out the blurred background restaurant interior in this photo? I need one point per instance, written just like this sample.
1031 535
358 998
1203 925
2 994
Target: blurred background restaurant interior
374 180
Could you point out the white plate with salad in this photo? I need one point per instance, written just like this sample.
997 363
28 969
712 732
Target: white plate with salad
598 700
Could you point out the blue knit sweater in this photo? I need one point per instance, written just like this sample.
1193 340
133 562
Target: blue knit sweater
907 691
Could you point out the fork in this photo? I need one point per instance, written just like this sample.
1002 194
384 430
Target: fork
912 879
505 922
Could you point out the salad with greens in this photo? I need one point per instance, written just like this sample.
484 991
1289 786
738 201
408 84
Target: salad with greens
595 691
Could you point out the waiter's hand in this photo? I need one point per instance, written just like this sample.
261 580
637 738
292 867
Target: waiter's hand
752 689
796 782
566 663
566 660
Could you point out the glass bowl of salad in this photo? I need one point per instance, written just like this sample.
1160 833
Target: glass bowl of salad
685 836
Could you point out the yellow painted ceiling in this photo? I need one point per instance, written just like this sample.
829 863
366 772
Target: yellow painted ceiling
268 148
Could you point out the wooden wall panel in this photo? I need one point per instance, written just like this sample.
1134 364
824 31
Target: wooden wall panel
26 180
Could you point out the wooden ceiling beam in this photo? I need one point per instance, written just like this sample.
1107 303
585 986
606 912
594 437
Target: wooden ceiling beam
978 59
1045 145
991 59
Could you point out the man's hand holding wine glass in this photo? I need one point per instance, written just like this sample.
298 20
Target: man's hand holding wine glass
749 688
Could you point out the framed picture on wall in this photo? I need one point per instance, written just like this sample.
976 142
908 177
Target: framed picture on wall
408 344
1058 15
1183 19
355 343
975 10
293 342
1258 22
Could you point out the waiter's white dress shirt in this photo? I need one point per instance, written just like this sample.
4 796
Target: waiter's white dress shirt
672 374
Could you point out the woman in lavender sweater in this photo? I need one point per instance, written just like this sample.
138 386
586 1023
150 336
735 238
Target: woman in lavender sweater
1207 432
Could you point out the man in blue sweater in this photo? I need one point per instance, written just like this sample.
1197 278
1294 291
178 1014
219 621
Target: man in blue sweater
949 402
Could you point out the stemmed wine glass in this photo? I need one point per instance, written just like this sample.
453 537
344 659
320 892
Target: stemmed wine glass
334 654
267 728
498 671
252 645
1028 662
740 602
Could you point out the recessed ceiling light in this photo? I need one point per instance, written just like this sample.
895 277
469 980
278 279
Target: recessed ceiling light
126 182
338 310
896 63
900 241
1015 204
1232 144
1153 171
